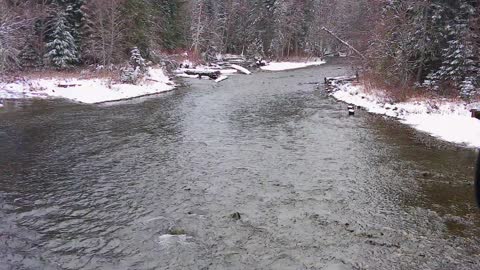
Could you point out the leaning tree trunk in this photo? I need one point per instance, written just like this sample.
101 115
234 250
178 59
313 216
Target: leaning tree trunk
344 42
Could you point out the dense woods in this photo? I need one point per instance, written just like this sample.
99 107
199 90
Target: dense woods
428 44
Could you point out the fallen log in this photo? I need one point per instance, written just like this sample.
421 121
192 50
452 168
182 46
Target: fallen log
66 85
241 69
212 74
221 78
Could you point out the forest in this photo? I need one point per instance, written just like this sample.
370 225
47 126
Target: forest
427 45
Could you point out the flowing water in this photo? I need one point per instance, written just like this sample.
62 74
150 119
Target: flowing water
153 183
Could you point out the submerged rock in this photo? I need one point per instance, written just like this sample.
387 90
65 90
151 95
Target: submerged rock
177 231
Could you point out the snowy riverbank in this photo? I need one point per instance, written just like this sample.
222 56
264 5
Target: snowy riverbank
448 120
280 66
86 90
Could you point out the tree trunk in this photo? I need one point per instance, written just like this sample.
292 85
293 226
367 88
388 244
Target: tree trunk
344 42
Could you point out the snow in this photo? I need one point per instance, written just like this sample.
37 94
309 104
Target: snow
279 66
449 120
86 91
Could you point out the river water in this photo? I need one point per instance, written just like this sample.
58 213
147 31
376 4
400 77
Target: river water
109 186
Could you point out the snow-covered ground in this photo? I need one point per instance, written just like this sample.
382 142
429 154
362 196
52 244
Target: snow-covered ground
86 91
279 66
445 119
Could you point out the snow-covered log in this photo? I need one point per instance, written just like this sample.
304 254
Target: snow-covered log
221 78
212 74
241 69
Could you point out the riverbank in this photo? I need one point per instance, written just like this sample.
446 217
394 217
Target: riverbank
91 90
446 119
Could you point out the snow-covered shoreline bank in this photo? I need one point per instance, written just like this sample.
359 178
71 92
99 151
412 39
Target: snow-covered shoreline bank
86 90
449 120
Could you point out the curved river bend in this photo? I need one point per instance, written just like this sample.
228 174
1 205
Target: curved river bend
103 186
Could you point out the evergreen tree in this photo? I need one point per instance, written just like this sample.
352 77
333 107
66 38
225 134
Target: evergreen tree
29 57
62 50
137 61
75 17
170 25
459 66
136 70
137 14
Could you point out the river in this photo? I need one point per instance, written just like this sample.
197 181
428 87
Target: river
106 186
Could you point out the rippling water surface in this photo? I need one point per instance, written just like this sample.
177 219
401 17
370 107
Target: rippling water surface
108 186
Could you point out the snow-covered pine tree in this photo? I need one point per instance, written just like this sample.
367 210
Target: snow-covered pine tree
137 61
136 70
61 49
129 75
460 65
75 16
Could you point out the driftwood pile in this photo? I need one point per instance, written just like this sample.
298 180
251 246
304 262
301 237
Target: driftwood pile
214 69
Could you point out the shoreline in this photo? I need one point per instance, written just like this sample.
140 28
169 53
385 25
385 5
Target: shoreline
87 91
445 119
103 90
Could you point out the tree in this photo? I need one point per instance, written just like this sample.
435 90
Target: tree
62 50
460 65
103 32
12 35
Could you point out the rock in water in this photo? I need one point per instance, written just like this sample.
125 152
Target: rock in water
236 216
177 231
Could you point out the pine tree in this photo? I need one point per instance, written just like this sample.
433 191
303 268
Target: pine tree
459 67
137 61
62 50
167 23
29 57
136 70
137 14
75 16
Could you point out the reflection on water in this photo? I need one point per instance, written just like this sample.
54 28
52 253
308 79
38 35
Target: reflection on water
109 186
442 170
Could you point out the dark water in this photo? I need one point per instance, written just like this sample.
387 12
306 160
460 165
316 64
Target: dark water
101 186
